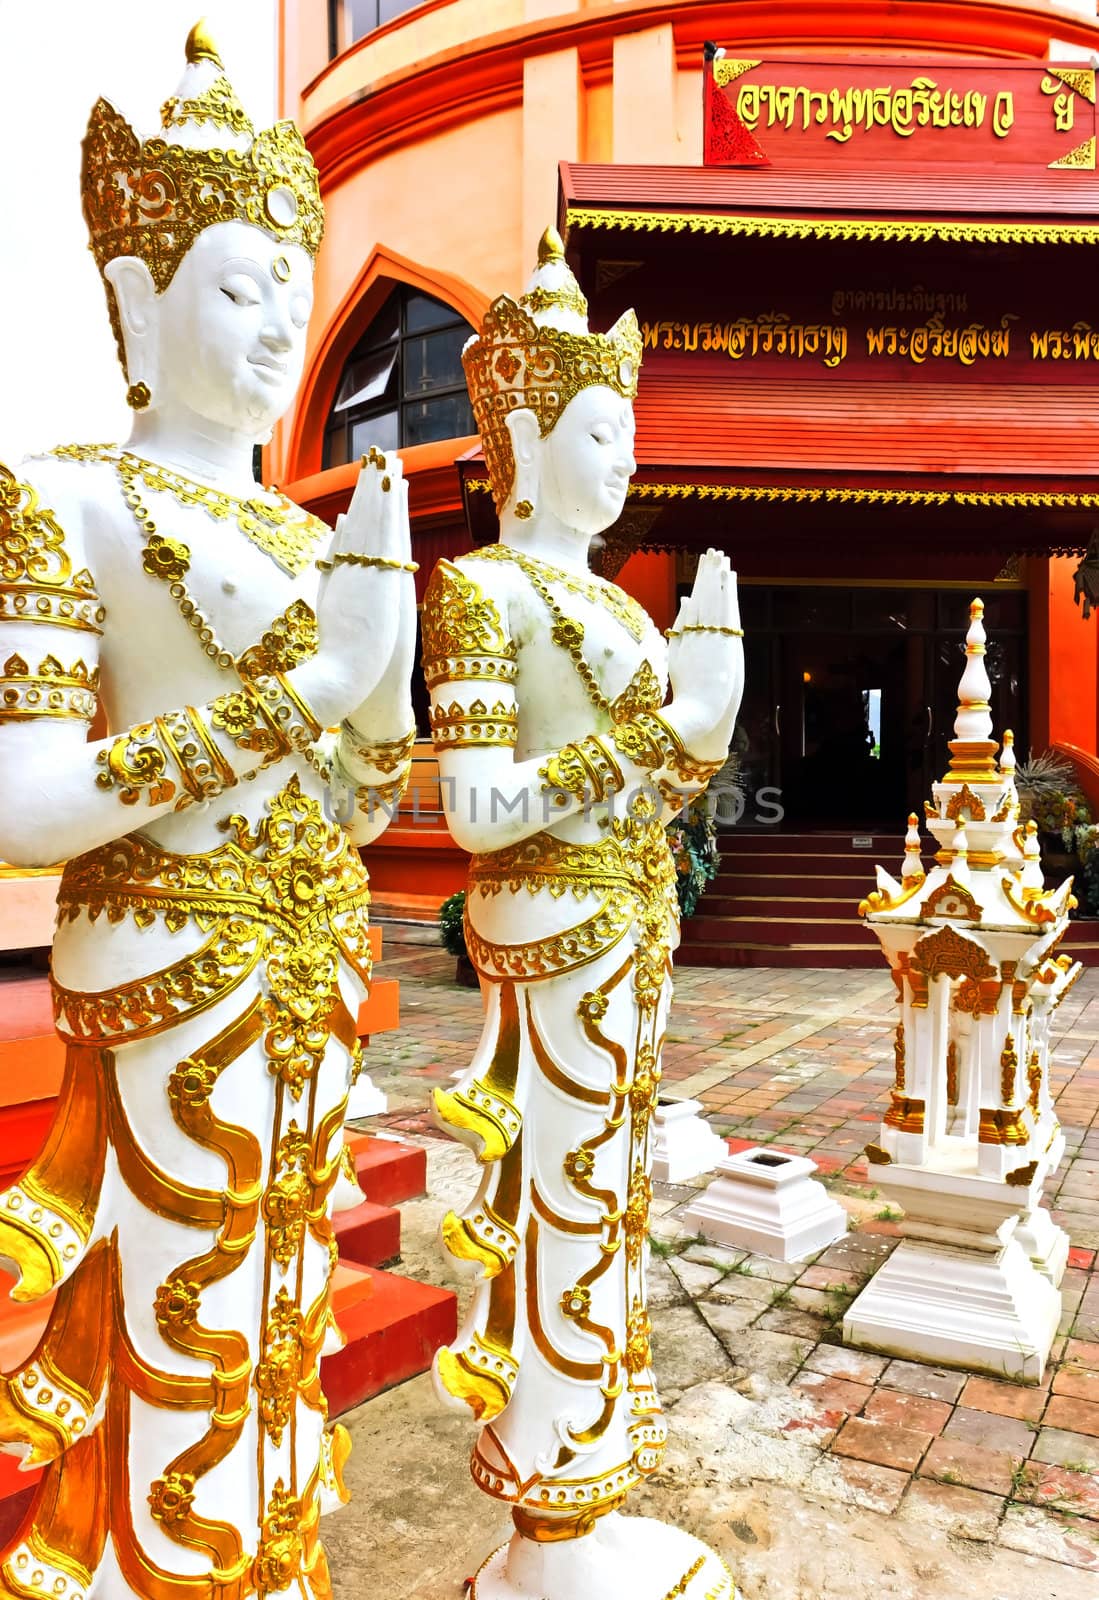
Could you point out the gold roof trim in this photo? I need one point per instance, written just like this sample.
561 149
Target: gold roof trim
847 494
782 227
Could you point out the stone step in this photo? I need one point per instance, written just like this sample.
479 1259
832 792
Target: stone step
750 879
389 1170
770 840
369 1236
393 1327
786 908
734 953
776 930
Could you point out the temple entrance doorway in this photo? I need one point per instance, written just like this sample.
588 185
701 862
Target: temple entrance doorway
851 693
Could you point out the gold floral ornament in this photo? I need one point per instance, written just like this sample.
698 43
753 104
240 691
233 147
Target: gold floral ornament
278 1373
152 198
176 1304
166 558
537 353
638 1202
279 1557
638 1333
171 1497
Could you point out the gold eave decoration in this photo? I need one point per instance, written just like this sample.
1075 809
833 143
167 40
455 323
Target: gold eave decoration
847 494
903 229
727 71
1082 158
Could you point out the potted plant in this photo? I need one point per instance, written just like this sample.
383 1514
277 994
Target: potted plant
693 839
1050 795
453 930
1086 887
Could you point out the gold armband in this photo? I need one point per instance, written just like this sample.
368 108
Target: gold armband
385 754
650 742
48 690
283 708
586 767
457 727
368 795
348 558
140 762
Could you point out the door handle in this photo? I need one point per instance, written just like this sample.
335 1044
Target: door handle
778 720
930 721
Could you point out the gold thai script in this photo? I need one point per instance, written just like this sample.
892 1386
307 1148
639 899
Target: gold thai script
922 104
921 301
934 341
771 333
1078 343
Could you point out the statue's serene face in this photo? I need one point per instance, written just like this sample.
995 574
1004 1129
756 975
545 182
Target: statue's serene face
588 460
231 326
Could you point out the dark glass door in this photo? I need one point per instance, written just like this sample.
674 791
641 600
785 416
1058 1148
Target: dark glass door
851 693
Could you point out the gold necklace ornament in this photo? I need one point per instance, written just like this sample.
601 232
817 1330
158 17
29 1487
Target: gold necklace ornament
621 606
282 531
566 632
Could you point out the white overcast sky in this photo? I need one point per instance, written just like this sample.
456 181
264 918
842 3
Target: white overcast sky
59 378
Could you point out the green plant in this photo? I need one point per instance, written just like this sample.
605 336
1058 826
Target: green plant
452 923
1049 793
693 840
1087 881
781 1295
888 1214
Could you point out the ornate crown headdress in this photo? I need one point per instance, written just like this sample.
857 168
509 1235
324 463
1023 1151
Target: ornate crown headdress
537 353
152 199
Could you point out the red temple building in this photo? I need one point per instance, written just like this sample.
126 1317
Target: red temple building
861 242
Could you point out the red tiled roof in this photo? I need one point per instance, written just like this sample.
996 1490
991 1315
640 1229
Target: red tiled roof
1064 195
740 421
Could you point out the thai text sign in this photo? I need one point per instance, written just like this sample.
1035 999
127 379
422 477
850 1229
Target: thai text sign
855 336
866 112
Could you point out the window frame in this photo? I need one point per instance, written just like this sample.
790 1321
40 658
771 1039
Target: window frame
406 397
340 38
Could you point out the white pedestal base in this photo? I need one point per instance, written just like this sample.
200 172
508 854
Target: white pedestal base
766 1201
364 1100
1045 1243
961 1308
684 1144
623 1558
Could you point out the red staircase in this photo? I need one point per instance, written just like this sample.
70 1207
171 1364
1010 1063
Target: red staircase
791 900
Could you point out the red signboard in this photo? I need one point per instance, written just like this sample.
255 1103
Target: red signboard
864 112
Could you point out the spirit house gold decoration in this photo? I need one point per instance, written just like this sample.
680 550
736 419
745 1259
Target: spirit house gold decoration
970 1136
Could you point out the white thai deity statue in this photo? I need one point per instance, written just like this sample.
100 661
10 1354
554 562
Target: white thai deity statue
560 766
211 953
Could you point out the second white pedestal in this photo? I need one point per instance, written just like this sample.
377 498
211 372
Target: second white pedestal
684 1144
767 1201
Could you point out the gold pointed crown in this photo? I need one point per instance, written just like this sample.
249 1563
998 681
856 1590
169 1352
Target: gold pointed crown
152 198
536 353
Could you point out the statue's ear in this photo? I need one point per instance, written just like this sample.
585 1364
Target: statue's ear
525 434
134 292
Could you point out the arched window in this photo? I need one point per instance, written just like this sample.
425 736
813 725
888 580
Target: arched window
403 383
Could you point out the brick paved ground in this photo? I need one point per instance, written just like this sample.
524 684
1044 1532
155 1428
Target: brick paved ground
804 1059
